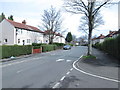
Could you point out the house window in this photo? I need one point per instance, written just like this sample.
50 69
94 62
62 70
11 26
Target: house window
28 40
16 31
18 40
46 40
5 40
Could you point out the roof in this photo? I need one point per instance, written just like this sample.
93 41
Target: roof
118 32
111 33
99 37
48 31
24 26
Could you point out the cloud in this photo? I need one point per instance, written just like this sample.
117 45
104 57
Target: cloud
7 1
31 11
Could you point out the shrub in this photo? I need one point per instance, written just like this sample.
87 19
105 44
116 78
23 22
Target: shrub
0 52
46 48
111 46
71 44
38 44
15 50
36 47
59 44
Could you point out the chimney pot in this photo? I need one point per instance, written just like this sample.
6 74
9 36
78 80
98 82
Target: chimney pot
110 32
24 22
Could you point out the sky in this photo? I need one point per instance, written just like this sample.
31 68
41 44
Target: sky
31 11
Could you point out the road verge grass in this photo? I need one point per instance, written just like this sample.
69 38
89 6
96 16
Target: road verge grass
89 57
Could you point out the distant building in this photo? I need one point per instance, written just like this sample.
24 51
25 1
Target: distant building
111 34
58 38
101 38
98 39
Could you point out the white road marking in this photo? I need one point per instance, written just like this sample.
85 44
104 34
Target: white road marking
62 78
68 60
60 60
71 69
93 75
68 73
56 85
19 71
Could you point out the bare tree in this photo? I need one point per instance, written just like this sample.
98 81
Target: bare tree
51 22
91 16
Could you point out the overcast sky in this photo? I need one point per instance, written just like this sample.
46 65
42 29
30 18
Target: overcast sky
31 11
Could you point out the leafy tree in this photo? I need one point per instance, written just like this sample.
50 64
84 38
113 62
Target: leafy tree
2 16
69 37
90 10
51 22
11 18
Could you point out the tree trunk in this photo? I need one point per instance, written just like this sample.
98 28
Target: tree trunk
89 43
90 34
51 40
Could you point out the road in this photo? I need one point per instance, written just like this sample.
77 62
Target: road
50 70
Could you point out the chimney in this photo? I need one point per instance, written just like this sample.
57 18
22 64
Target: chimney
101 35
24 22
110 32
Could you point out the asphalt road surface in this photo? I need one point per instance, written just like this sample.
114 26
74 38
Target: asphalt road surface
50 70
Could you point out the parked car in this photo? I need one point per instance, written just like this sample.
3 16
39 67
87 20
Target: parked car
66 47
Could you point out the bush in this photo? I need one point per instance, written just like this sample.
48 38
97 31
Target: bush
70 44
38 44
59 44
111 46
36 47
0 52
15 50
46 48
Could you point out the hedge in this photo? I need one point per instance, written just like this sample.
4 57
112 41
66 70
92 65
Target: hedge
38 44
0 52
111 46
59 44
15 50
46 48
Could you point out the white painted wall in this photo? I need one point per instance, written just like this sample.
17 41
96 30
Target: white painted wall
101 40
17 36
97 41
116 35
29 37
7 33
57 39
63 40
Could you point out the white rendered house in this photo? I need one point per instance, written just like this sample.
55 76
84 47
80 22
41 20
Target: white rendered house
12 33
58 38
99 39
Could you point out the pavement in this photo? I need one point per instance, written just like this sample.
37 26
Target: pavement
58 69
104 67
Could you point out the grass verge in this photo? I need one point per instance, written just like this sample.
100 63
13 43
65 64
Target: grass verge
89 57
